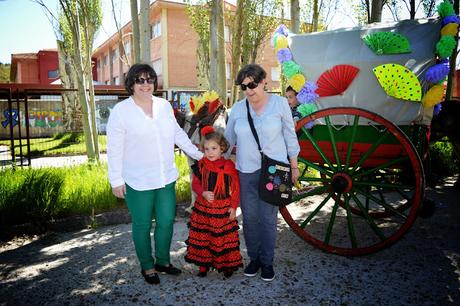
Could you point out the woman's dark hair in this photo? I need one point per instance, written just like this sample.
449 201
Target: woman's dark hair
254 71
135 72
289 88
218 138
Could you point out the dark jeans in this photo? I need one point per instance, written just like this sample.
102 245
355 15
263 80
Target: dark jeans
259 220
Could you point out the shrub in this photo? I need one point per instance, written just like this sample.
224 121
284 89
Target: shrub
443 158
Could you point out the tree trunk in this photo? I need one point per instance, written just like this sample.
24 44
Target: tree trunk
71 109
314 21
236 48
217 67
295 16
144 30
412 9
376 11
136 49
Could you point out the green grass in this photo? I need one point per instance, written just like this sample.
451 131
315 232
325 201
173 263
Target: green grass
41 195
58 145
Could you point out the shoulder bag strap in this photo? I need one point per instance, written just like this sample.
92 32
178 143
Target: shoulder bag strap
253 129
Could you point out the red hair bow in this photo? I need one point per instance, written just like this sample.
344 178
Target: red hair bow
206 130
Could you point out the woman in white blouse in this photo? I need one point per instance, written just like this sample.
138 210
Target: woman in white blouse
141 134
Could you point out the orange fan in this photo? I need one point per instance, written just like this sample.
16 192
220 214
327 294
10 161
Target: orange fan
336 80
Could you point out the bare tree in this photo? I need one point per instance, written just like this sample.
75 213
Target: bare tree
136 34
218 80
144 30
295 16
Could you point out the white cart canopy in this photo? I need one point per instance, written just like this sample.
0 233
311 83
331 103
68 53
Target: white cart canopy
318 52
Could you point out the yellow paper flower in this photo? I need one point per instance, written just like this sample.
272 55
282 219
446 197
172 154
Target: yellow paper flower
281 43
196 103
297 81
210 96
449 29
433 96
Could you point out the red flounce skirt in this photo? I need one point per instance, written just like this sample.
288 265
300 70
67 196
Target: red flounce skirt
213 240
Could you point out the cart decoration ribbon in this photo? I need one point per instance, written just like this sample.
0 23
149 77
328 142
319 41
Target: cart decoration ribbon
208 98
297 79
336 80
399 82
437 73
387 43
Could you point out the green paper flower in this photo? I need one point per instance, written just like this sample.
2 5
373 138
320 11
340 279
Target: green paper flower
306 109
445 9
290 68
445 46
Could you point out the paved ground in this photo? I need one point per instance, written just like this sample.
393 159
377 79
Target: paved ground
99 267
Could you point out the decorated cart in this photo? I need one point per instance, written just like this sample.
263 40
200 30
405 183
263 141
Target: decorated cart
368 95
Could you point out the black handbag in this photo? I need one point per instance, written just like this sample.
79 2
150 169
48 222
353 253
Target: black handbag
275 182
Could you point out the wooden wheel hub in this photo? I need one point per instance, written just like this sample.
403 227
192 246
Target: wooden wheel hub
341 183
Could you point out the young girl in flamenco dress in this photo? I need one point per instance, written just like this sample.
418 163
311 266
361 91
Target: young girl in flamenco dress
213 241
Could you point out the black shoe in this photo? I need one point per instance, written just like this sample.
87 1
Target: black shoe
171 270
252 269
228 273
151 278
202 273
267 273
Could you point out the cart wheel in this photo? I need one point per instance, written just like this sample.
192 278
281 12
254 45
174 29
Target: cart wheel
369 188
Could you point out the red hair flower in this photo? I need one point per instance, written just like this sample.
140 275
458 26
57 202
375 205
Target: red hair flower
206 130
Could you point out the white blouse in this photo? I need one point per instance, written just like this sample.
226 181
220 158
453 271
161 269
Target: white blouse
140 149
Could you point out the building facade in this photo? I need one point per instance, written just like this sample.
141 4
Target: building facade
35 68
173 45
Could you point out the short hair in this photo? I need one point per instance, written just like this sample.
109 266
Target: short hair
135 72
254 71
289 88
218 137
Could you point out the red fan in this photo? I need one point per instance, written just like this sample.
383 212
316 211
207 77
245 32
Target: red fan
336 81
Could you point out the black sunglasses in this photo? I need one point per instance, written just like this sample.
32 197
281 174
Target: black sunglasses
251 85
141 81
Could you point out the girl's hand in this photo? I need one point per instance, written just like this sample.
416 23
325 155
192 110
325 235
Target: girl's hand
119 191
232 212
208 195
295 174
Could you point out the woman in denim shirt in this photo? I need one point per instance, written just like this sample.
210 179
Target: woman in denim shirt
275 127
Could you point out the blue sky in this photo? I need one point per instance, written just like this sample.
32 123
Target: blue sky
24 27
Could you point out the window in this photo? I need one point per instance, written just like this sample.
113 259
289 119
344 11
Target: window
155 30
158 66
127 46
52 74
115 81
98 64
104 60
227 70
275 73
114 55
227 34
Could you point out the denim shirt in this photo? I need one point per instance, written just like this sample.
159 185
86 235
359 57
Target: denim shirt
275 128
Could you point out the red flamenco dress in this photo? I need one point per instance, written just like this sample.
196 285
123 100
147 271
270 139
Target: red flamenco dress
213 240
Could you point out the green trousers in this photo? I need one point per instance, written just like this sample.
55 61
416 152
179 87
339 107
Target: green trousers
143 206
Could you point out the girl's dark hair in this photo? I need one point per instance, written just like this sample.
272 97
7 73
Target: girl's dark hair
254 71
218 138
135 72
289 88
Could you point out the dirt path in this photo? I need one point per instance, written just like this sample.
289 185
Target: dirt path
99 267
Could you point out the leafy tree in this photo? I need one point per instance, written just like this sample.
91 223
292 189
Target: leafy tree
76 28
144 30
217 67
5 73
136 34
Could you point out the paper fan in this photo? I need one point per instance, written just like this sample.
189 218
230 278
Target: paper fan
336 80
399 82
387 43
